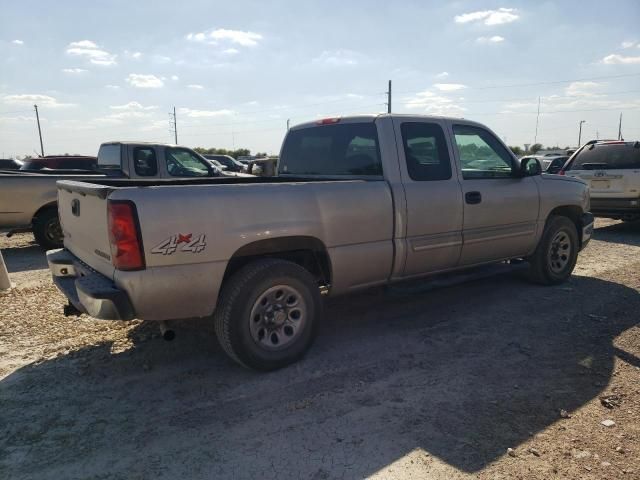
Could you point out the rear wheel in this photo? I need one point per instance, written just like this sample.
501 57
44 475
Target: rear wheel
557 253
47 229
268 313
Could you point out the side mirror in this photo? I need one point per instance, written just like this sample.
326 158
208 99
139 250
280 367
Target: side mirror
530 167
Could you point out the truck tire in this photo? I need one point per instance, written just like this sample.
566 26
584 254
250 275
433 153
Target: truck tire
47 229
268 313
557 252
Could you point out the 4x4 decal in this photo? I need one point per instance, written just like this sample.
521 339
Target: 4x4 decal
181 243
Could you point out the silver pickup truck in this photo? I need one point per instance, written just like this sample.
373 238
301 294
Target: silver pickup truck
357 202
28 201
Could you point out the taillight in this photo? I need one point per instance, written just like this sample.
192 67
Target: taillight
561 172
124 236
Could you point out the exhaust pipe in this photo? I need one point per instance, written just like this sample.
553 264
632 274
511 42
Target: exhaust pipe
167 333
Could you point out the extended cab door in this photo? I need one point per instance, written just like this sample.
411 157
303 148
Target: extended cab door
500 207
433 196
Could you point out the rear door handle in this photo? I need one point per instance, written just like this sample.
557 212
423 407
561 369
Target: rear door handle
473 198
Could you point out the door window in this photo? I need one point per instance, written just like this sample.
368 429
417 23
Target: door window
425 151
183 163
144 161
481 154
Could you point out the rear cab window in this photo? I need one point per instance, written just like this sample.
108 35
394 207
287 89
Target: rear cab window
109 157
607 156
349 149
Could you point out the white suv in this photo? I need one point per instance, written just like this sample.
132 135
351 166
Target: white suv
612 169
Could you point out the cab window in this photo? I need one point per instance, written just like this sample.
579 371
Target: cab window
481 154
144 161
425 151
183 163
332 150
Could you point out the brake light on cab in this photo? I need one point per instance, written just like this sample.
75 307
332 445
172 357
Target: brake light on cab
124 236
328 121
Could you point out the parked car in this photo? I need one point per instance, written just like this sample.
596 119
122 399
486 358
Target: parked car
230 163
264 167
10 164
554 164
28 201
60 162
612 169
358 201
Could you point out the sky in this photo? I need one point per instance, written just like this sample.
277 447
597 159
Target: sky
237 71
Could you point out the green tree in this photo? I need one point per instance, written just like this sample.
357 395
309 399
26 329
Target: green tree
516 150
535 148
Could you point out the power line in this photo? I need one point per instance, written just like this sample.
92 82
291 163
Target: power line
555 82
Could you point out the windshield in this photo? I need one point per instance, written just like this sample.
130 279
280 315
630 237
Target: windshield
607 156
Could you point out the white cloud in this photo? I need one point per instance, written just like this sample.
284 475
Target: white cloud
17 42
161 59
489 40
442 75
238 37
628 44
449 87
134 55
615 59
30 99
337 58
132 106
582 89
92 52
139 80
434 104
112 87
194 86
490 17
231 51
175 78
205 113
74 70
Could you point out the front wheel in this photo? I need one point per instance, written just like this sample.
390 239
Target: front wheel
268 313
557 253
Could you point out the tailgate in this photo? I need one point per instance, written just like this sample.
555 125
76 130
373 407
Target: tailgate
83 215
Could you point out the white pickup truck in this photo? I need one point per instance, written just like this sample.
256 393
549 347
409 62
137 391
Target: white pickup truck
358 201
28 201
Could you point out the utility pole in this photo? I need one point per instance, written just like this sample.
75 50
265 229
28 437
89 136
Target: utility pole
580 132
388 92
620 127
535 138
175 125
288 124
39 130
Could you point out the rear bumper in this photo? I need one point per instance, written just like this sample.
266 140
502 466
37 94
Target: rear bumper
87 290
587 228
611 207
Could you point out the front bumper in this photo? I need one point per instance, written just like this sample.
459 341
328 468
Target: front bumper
587 228
87 290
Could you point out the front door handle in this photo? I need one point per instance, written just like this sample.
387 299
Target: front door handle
473 198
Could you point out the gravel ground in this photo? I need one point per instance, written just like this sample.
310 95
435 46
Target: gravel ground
404 382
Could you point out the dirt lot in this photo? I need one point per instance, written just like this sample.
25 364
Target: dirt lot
407 382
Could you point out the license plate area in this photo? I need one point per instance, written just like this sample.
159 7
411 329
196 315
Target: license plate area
600 184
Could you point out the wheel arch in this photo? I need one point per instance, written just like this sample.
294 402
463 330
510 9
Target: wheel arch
308 252
573 213
46 206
